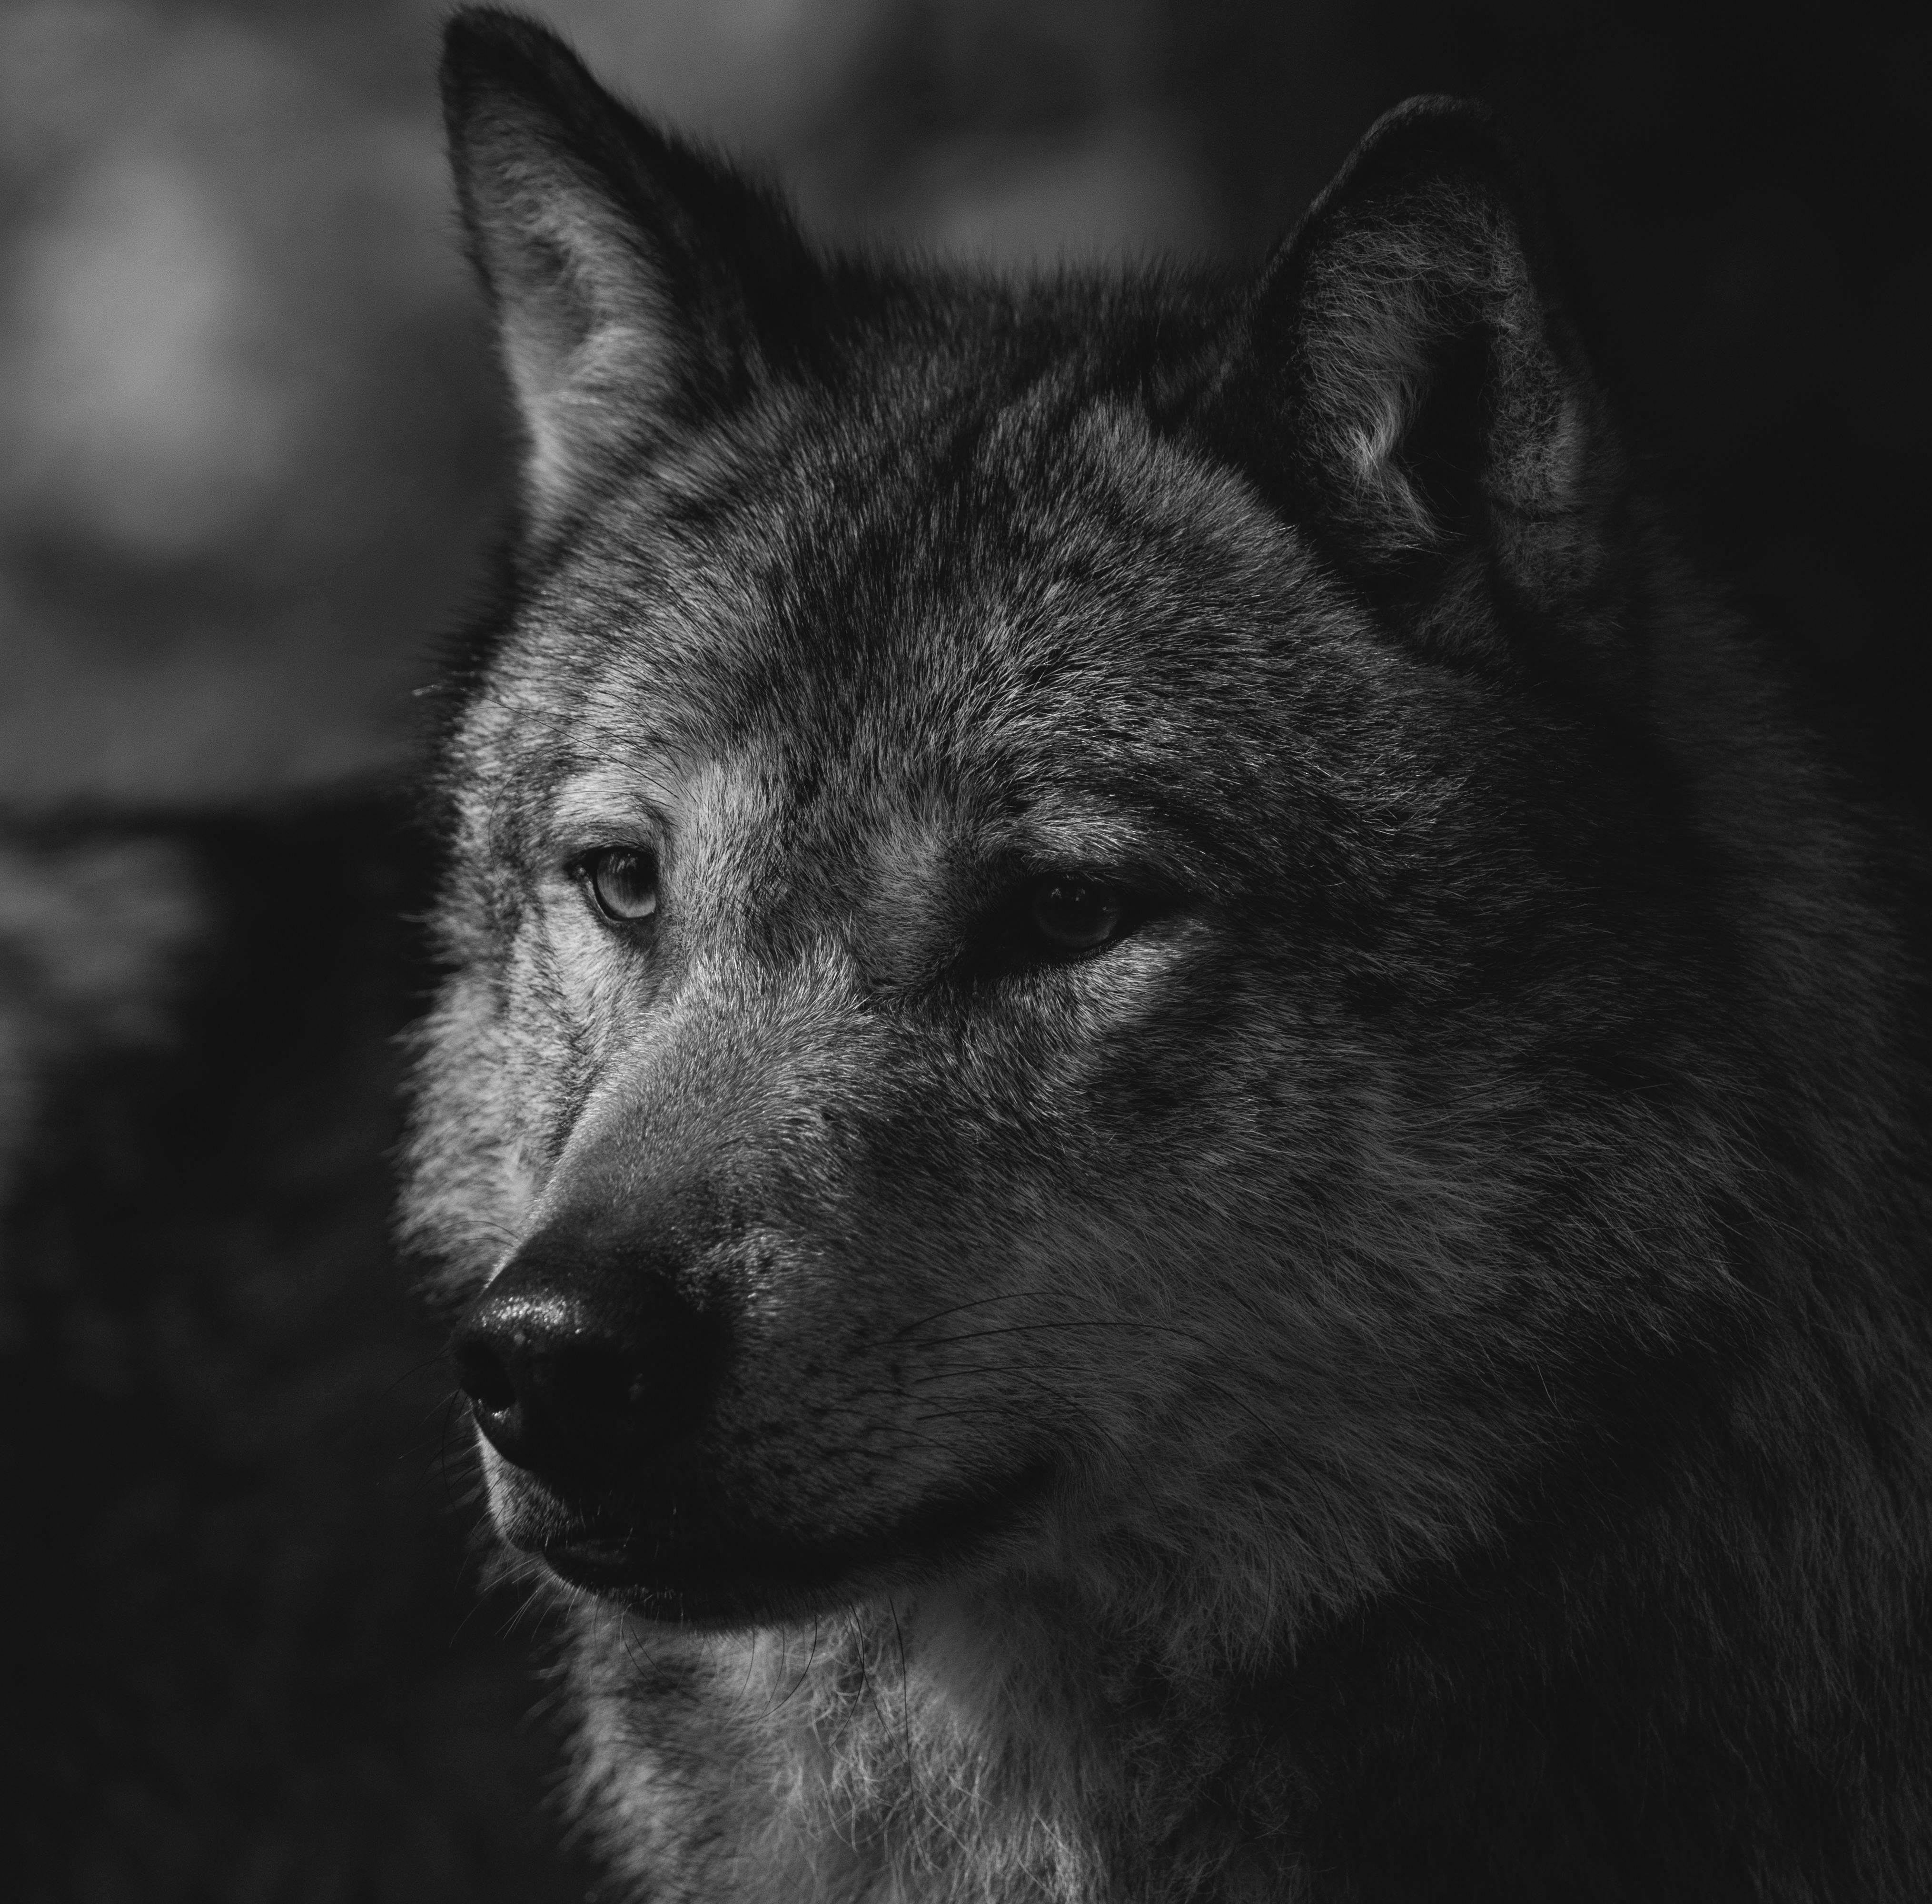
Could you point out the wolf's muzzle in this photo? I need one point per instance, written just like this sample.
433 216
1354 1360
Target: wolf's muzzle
586 1366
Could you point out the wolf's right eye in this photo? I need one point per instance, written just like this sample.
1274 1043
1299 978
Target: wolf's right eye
622 883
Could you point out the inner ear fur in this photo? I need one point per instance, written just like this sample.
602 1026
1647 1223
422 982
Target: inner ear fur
1423 392
640 287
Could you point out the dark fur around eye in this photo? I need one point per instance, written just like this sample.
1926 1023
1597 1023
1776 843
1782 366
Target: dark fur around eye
622 882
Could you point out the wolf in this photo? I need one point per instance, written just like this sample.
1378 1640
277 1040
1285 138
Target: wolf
1177 1130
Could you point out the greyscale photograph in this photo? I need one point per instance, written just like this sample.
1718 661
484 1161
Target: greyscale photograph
961 952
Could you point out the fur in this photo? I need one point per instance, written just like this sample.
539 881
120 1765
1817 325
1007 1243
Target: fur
1401 1373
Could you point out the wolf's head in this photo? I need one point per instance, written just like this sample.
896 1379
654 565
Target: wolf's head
1059 896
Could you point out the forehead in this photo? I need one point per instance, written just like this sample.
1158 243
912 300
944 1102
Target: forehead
1046 605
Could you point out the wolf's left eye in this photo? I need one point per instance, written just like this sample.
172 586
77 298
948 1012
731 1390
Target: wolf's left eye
1053 919
622 883
1073 915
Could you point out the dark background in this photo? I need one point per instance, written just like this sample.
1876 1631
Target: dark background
251 454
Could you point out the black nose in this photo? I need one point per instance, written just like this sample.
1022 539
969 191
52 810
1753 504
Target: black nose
582 1362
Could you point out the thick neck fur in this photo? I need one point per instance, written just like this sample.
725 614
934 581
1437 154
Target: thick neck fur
959 1748
1001 1748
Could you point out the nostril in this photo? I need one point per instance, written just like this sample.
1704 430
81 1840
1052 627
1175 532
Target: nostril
578 1369
485 1377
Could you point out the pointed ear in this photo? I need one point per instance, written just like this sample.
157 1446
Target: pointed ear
1425 390
640 288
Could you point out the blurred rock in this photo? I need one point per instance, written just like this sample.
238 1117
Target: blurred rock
250 1660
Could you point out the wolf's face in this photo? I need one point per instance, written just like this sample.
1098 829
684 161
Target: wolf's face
1022 938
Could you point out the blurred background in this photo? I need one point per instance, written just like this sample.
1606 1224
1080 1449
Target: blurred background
249 443
252 454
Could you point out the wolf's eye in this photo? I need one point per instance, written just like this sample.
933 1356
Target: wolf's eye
622 883
1073 915
1053 919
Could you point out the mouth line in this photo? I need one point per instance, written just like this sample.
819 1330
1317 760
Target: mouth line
598 1566
737 1579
